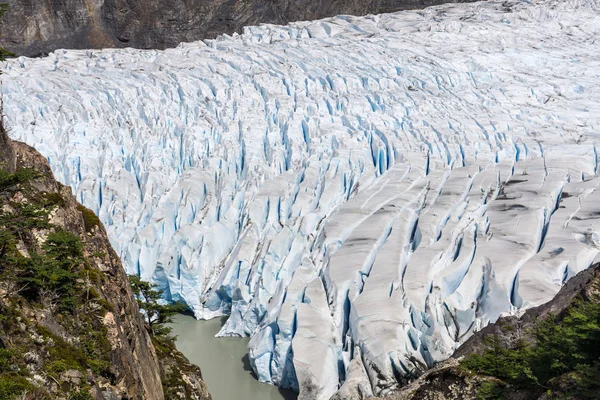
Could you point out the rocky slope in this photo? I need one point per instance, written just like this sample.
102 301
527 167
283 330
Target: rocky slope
450 380
33 27
69 325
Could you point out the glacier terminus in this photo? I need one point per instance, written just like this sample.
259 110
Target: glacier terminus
358 194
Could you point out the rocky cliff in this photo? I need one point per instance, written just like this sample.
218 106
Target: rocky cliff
69 325
34 27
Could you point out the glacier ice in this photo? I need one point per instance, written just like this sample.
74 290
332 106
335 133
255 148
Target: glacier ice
358 194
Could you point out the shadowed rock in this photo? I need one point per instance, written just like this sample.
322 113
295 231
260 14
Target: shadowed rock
33 28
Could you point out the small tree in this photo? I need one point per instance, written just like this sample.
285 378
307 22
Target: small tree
157 315
52 277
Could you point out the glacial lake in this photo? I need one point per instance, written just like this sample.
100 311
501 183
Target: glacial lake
224 361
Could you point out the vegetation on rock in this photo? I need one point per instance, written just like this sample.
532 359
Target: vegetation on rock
563 360
90 219
70 328
157 316
43 294
156 313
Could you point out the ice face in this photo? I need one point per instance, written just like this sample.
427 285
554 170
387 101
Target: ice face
358 194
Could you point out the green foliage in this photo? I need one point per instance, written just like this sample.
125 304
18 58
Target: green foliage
22 175
65 245
55 367
12 386
172 384
567 349
6 357
52 199
563 345
100 367
90 219
92 352
83 394
95 276
52 277
23 220
587 379
157 315
63 356
8 243
490 390
497 361
105 305
51 273
96 347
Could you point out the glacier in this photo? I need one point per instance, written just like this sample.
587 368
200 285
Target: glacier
358 194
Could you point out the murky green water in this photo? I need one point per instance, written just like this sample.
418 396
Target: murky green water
224 361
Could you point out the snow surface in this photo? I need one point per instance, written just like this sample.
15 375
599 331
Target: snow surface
359 194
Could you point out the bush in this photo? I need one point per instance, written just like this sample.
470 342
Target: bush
90 220
565 348
64 247
64 356
52 199
23 175
489 390
26 217
83 394
12 386
57 366
6 356
508 365
52 277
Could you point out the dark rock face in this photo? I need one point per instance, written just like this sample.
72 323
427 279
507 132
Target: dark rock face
34 27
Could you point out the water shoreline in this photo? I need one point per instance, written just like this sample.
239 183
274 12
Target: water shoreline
224 361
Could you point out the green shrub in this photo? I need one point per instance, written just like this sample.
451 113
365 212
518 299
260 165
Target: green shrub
489 390
588 381
8 243
94 275
62 355
57 366
64 247
83 394
90 219
12 386
567 348
56 271
26 217
6 357
100 367
564 345
52 199
22 175
508 365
